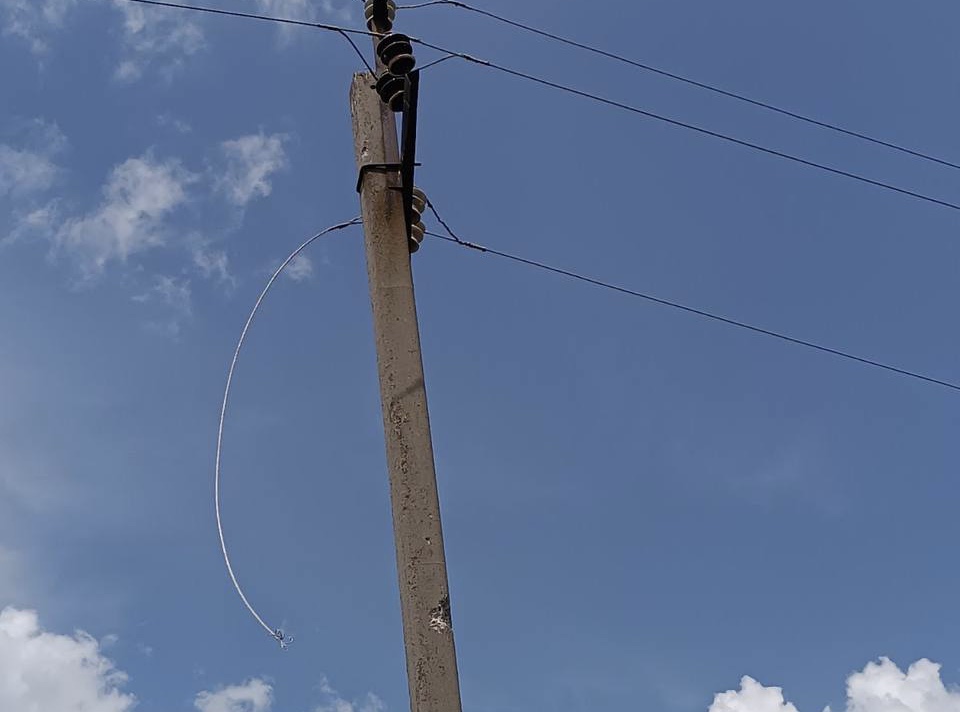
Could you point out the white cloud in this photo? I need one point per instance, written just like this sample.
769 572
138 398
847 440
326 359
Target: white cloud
33 20
169 121
45 135
139 197
306 10
250 161
880 687
253 696
300 269
43 671
156 36
213 264
883 687
170 292
173 298
48 672
752 697
28 168
256 695
24 172
335 703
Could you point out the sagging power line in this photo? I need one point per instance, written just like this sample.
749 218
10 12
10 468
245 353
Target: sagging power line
589 96
690 127
686 80
452 237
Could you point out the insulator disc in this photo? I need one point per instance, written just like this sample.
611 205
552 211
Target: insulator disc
396 53
391 16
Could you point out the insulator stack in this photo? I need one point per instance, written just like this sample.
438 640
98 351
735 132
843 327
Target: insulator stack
417 229
380 24
391 90
396 53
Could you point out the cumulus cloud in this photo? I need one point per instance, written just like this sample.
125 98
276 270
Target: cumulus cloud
752 697
253 696
33 20
163 39
43 671
879 687
250 162
883 687
141 194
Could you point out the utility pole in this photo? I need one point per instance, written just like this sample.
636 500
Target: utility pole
421 563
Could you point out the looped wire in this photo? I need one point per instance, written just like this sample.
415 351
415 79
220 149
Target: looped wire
274 633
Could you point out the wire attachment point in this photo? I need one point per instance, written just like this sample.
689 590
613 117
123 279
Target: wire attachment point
284 640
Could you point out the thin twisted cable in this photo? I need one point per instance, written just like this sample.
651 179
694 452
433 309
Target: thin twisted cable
274 633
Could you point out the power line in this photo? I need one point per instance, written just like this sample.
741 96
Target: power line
454 238
256 16
578 92
344 32
686 80
274 633
690 127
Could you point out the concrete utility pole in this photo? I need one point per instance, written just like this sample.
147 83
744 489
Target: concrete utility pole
421 563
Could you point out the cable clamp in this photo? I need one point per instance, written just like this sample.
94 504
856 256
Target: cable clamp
377 168
285 641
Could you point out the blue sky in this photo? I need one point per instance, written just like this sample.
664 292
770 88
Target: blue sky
640 508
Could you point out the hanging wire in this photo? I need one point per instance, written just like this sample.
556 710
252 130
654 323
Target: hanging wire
418 5
356 49
435 62
585 95
276 633
452 237
344 32
688 126
687 80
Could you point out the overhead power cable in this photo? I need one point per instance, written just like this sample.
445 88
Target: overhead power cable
686 80
344 32
583 94
253 16
454 238
690 127
274 633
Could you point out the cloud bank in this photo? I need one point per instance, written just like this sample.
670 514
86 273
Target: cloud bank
880 687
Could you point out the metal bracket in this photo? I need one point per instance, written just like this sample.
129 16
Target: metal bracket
379 168
411 100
